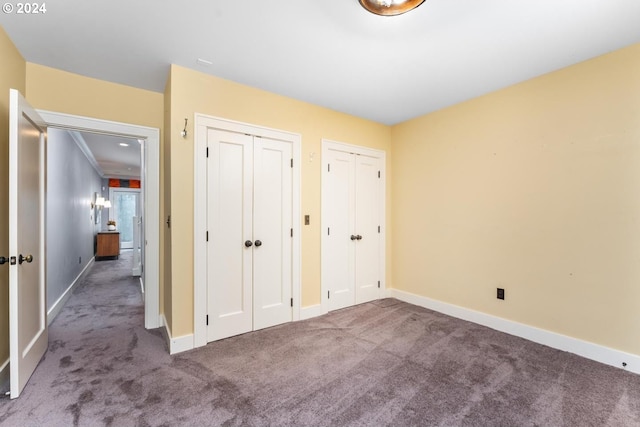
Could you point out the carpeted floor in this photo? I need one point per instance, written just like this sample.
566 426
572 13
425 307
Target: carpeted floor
382 363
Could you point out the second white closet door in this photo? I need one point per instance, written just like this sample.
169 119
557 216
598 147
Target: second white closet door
249 217
367 220
272 220
353 240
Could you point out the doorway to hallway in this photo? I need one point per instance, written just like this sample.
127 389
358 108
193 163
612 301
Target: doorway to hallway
149 199
126 213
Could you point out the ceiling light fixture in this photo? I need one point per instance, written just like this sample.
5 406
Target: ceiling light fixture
124 144
390 7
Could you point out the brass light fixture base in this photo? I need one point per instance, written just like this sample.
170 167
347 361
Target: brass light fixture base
390 7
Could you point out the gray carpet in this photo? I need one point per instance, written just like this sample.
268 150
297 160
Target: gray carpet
382 363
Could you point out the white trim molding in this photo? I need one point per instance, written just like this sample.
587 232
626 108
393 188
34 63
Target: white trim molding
311 311
202 124
59 304
151 190
586 349
177 344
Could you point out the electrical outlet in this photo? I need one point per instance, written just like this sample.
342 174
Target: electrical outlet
306 220
500 293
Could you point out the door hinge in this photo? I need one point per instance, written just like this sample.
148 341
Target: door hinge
378 174
291 162
378 229
328 231
207 236
291 302
207 151
328 294
207 320
378 283
328 167
292 232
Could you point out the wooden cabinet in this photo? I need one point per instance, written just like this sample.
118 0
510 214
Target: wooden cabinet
108 244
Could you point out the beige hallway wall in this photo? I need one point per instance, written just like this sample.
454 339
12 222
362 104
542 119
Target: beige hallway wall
535 189
193 92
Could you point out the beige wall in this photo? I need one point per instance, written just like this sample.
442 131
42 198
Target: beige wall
56 90
12 76
536 189
196 92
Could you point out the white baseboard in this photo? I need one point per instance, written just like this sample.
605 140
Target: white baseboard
177 344
57 306
311 311
582 348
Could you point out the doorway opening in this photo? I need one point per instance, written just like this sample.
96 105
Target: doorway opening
149 205
125 203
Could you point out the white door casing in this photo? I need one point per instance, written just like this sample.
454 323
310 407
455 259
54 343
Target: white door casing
150 191
353 219
28 333
203 126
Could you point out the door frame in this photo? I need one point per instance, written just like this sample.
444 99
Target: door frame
151 182
113 190
327 145
202 123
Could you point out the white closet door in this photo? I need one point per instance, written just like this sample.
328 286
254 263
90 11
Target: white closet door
272 223
340 271
229 210
367 221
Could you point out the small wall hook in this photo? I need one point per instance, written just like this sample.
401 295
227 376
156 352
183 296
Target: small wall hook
184 131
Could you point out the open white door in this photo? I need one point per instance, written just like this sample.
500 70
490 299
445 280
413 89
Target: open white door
28 334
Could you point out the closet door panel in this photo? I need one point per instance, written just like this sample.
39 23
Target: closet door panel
339 256
272 222
229 208
367 220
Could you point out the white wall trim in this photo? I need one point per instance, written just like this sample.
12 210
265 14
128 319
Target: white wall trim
177 344
151 180
311 311
59 304
328 145
586 349
202 123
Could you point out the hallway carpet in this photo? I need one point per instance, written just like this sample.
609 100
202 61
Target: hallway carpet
381 363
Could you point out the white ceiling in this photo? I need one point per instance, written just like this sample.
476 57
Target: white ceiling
331 53
111 156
